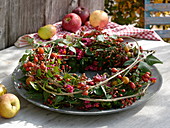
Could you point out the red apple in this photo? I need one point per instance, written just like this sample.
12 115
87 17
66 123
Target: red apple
99 19
71 22
83 13
9 105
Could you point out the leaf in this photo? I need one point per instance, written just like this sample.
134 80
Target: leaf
151 60
39 72
56 69
61 44
46 95
69 38
108 96
88 52
49 74
98 91
66 75
100 38
59 40
80 96
113 37
144 67
103 89
71 48
34 85
28 51
65 41
129 62
58 99
24 58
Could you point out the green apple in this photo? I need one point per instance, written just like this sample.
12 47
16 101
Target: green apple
47 31
9 105
3 89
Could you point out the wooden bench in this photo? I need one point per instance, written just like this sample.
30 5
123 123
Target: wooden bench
154 7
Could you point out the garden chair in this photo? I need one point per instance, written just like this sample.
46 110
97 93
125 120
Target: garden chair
154 7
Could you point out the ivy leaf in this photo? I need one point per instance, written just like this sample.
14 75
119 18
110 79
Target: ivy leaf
151 60
71 48
144 67
100 38
34 85
129 62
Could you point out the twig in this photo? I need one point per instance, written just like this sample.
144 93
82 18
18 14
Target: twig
119 98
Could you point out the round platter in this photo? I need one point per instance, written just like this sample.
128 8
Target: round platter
150 92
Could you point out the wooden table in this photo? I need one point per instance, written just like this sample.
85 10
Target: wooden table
155 113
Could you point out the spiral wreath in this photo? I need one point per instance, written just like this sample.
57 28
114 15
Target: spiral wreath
89 70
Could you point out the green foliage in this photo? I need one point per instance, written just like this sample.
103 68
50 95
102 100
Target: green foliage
126 12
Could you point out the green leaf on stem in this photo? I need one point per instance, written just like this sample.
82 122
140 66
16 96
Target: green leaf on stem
46 95
88 52
56 69
100 38
34 85
129 62
98 91
24 58
113 37
151 60
58 99
39 72
61 44
71 48
144 67
49 74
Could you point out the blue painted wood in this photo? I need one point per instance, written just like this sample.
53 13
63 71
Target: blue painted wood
157 20
157 7
163 33
151 7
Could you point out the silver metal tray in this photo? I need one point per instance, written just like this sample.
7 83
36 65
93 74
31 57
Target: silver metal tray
150 92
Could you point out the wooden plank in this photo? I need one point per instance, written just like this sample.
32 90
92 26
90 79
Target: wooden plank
55 10
163 33
3 23
25 17
157 7
92 5
157 20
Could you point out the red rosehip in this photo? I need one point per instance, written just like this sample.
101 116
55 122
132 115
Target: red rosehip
132 85
114 70
40 50
85 93
35 59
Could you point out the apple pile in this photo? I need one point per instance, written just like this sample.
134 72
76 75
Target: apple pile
74 20
80 16
9 103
